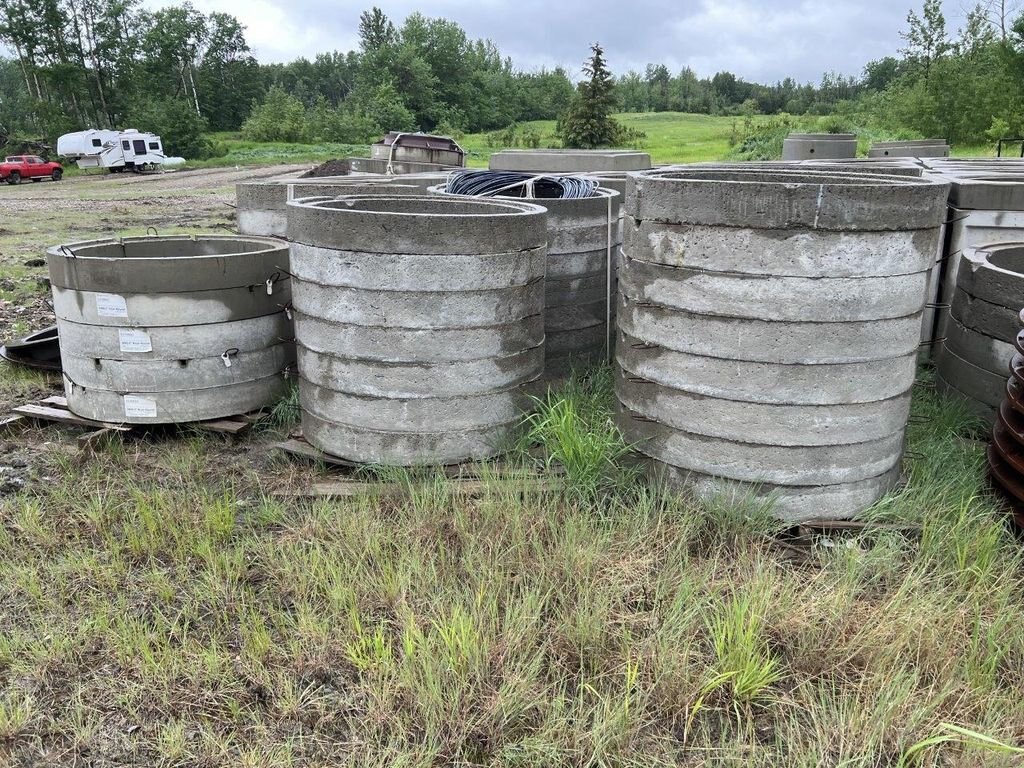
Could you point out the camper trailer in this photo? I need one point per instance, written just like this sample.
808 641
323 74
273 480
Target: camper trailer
116 150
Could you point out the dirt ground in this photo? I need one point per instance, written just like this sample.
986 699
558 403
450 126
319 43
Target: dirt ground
35 216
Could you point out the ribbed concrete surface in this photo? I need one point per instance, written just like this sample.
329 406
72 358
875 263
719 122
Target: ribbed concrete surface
973 364
769 323
419 324
579 291
172 329
986 205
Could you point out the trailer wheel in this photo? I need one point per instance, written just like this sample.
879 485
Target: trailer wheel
57 174
14 178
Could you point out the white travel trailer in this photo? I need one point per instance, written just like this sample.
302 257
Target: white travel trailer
116 150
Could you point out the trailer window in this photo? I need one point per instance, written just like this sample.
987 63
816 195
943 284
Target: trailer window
97 143
125 145
154 145
140 146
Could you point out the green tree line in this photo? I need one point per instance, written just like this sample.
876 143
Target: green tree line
179 72
105 63
966 86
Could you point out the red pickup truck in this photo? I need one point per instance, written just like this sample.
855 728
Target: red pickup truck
14 169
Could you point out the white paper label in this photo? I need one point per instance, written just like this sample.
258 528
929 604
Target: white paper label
111 305
136 407
134 340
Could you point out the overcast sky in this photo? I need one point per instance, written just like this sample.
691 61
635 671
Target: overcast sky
759 41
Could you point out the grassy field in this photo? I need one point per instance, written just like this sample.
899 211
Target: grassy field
671 137
168 599
159 606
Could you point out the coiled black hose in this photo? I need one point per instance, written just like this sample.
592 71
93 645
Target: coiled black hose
513 184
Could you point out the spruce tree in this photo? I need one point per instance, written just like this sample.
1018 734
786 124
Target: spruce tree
588 123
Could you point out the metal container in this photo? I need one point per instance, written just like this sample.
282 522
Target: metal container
769 324
400 147
172 329
419 323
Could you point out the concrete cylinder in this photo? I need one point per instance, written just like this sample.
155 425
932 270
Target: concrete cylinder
157 330
984 208
769 324
263 205
912 148
982 328
419 323
572 161
819 146
583 239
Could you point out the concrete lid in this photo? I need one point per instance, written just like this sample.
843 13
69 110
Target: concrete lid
418 224
786 199
167 264
569 160
911 143
267 195
874 166
986 190
966 165
822 136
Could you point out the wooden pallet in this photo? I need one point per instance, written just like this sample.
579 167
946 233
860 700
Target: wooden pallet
349 488
471 479
55 410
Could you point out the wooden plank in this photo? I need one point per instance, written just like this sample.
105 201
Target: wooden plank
232 425
352 488
7 421
221 426
56 400
299 447
34 411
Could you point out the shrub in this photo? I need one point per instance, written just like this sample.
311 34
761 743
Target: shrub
281 117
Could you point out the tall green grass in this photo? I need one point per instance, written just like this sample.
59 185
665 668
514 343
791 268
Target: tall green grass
575 429
159 606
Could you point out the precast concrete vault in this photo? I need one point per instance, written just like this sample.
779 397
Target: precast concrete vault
982 327
263 205
172 329
985 207
419 323
769 323
819 146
